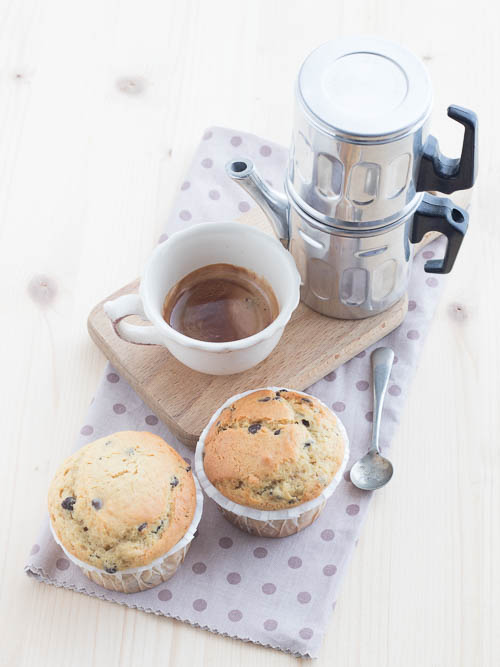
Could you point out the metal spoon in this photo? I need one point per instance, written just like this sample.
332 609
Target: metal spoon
374 470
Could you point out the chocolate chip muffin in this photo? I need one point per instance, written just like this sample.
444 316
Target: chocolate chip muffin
122 501
273 450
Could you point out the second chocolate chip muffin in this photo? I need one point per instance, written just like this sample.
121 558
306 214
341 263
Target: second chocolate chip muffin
273 450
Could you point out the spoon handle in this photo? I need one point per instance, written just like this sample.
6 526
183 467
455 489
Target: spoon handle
382 359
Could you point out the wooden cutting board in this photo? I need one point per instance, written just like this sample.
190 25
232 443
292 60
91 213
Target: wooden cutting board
312 345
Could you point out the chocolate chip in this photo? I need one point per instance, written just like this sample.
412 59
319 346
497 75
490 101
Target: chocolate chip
277 432
85 529
188 469
306 400
253 428
306 423
158 527
174 481
112 569
108 442
142 526
68 503
265 399
97 503
307 444
290 502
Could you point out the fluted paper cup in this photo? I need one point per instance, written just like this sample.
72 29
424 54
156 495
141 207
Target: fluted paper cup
136 579
267 523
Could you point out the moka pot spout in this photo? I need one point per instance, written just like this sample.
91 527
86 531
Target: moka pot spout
274 204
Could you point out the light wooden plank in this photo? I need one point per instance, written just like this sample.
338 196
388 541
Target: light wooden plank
88 175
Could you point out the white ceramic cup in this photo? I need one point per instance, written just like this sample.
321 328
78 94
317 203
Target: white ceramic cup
186 251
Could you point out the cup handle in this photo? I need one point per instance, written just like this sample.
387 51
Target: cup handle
123 306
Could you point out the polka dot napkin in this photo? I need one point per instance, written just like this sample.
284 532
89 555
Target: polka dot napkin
279 593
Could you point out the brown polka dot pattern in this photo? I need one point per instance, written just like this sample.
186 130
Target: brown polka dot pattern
62 564
165 595
269 588
199 568
199 604
260 552
327 535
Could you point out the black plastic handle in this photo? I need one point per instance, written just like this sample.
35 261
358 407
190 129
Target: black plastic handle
445 174
440 214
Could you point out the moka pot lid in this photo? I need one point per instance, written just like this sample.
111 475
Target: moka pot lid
365 87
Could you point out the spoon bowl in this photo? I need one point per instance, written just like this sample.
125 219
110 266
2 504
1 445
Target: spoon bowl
371 472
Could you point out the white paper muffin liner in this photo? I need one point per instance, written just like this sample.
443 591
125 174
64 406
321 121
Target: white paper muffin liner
267 523
136 579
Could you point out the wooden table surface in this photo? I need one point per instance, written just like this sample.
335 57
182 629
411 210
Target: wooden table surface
101 106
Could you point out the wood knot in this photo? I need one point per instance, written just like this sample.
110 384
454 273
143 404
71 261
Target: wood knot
21 77
42 290
131 85
458 312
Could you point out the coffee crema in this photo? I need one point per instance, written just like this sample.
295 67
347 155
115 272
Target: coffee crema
219 303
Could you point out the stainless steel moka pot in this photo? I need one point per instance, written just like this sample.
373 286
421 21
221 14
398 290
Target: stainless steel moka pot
361 161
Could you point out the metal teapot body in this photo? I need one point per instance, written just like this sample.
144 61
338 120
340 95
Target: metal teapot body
360 162
353 274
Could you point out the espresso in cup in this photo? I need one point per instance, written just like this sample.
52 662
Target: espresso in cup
219 303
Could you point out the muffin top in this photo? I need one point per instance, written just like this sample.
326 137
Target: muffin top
122 501
273 450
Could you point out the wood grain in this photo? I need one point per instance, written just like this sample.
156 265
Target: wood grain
89 167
